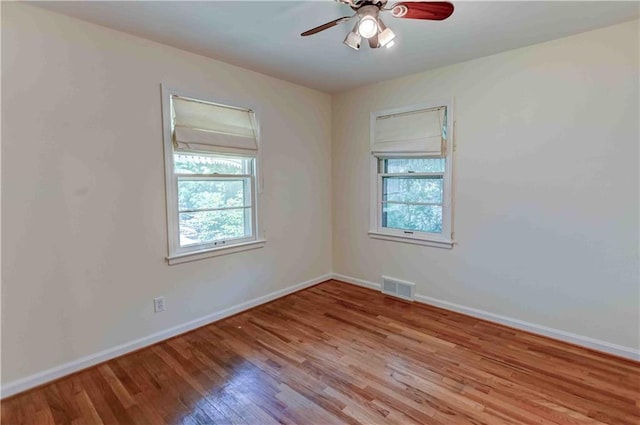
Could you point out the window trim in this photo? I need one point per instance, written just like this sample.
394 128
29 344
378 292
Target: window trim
376 231
176 253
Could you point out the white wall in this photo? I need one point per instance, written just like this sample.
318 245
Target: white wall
84 232
547 185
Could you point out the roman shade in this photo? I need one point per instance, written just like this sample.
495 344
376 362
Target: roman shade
201 126
411 133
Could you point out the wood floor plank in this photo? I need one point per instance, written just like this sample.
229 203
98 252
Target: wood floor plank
337 353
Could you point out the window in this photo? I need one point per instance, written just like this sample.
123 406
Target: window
214 199
211 161
411 169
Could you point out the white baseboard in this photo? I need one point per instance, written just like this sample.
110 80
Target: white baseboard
584 341
48 375
354 281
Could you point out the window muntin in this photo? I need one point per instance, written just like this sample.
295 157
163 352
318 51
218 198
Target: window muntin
412 189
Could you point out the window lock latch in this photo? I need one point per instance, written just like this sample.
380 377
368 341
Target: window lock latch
406 232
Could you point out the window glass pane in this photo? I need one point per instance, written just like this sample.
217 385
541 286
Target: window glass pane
206 194
412 189
208 164
421 218
210 226
415 165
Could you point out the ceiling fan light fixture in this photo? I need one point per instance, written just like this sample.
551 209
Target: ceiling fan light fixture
353 39
368 26
386 36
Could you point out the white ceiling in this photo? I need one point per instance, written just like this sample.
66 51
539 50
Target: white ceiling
265 35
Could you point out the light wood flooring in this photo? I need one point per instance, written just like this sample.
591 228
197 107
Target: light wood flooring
336 353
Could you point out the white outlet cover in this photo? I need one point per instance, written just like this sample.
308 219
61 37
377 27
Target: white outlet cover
158 304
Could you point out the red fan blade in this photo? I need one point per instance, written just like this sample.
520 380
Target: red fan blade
325 26
431 10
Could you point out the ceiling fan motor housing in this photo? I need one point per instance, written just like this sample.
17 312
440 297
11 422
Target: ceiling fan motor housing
370 10
357 4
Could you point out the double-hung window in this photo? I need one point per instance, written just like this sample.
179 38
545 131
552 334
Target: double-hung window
211 160
411 173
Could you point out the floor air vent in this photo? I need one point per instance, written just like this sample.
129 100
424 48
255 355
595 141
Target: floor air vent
398 288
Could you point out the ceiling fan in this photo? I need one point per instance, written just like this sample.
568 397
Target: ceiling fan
370 26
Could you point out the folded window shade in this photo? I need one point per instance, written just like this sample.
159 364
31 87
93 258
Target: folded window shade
411 133
202 126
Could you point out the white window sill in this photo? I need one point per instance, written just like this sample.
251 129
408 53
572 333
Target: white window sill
214 252
437 243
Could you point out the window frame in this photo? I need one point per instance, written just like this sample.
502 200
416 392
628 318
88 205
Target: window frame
410 175
250 178
180 254
445 239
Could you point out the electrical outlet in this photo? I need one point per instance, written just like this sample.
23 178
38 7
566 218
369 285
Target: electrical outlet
158 304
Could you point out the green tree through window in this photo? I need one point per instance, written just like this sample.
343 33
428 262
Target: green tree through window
412 193
213 203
